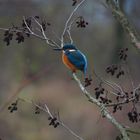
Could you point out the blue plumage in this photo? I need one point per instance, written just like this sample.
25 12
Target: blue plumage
76 57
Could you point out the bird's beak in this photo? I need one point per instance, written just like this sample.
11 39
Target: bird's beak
58 49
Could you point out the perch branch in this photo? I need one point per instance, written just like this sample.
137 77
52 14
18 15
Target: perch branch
103 108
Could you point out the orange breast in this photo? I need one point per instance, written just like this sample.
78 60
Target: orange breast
67 63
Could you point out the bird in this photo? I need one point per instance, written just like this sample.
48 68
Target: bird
73 58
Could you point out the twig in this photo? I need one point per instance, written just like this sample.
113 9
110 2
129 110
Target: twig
133 132
113 85
69 33
121 103
27 25
48 41
69 29
68 20
55 34
131 99
26 32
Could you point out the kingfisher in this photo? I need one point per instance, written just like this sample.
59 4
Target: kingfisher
73 58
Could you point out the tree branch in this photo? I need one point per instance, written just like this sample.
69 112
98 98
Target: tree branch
21 31
67 22
102 108
122 19
48 41
46 109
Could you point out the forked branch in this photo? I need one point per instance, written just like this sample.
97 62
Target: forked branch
67 26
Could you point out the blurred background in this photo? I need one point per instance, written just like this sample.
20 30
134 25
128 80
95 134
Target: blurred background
100 41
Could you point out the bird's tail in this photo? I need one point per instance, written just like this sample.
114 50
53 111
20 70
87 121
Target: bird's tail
85 73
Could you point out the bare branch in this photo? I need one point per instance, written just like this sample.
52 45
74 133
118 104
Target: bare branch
48 41
27 25
47 110
133 131
69 33
121 103
116 85
69 29
113 85
21 31
68 20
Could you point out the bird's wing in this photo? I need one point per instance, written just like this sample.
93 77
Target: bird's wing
78 59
